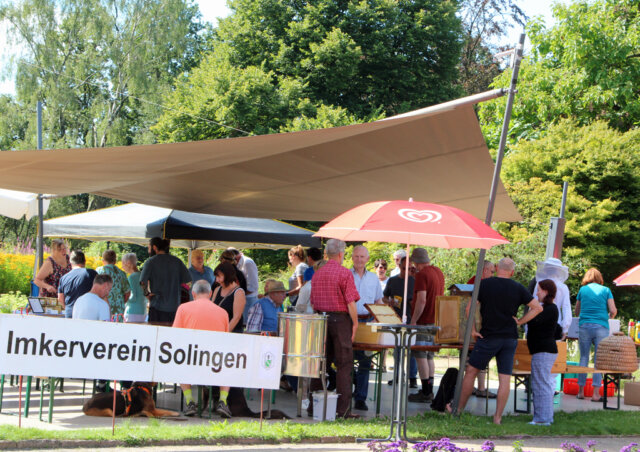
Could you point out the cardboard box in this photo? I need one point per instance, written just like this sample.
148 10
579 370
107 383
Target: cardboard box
522 358
632 393
367 334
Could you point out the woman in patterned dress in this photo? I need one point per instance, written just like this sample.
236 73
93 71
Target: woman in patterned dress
53 268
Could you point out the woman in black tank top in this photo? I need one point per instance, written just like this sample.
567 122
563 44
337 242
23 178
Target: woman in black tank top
229 296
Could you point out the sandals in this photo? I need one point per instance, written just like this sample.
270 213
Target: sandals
580 396
485 393
600 400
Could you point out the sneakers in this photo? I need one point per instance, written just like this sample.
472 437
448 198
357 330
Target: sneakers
191 409
420 397
223 410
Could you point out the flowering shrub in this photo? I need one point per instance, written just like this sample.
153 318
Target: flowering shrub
11 301
16 270
445 444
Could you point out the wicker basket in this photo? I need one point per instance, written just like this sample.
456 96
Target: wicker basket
617 352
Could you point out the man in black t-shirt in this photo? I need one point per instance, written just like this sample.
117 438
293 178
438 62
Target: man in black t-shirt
499 298
161 279
393 295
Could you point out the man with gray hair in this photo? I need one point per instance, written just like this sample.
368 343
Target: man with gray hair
333 292
250 270
202 314
398 255
499 298
370 292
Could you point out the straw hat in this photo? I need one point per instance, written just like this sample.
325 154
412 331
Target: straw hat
275 286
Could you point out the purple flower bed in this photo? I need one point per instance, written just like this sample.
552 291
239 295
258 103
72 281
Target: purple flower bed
445 445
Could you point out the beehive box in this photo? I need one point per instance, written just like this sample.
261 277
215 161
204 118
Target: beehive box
522 358
452 319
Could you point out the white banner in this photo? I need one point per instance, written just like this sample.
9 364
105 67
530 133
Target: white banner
42 346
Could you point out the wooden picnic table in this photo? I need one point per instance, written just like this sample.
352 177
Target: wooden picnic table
522 377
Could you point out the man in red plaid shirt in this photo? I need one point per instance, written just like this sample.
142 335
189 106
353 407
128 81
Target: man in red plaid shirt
334 292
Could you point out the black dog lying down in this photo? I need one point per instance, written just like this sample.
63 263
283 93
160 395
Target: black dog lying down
237 403
138 401
135 401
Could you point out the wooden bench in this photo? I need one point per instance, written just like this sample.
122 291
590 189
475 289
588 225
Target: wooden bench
522 378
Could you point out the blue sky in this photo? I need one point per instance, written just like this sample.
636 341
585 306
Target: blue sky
212 9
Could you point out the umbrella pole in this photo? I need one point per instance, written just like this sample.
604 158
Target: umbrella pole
39 236
406 287
492 200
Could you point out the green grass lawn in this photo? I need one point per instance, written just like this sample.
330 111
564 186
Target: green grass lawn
427 426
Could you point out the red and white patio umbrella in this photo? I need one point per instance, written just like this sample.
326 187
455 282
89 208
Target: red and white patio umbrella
412 223
629 278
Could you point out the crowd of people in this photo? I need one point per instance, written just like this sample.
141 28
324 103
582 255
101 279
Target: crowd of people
226 299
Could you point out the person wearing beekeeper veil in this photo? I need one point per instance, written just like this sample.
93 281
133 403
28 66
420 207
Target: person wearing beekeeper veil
553 269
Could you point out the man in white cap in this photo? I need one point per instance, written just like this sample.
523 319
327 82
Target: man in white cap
553 269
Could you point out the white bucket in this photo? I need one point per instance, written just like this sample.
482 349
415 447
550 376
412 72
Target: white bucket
318 405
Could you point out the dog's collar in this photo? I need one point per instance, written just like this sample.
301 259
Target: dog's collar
126 394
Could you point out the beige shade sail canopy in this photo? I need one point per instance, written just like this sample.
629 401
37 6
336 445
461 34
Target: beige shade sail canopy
436 154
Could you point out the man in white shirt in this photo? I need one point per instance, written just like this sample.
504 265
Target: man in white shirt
94 305
250 270
368 286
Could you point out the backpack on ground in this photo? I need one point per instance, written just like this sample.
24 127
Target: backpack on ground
446 390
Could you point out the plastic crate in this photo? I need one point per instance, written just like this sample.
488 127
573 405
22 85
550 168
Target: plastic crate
571 388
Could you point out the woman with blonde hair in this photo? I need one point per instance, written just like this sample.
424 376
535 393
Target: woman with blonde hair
53 268
297 259
595 306
135 310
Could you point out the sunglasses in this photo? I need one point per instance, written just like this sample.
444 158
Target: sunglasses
380 265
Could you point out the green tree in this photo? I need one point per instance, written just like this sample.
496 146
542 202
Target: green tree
252 99
600 165
585 67
361 56
483 24
280 66
99 66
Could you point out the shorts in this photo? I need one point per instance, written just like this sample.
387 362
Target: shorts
423 339
161 318
504 349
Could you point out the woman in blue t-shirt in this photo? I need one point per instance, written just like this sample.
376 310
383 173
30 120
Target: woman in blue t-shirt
595 306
